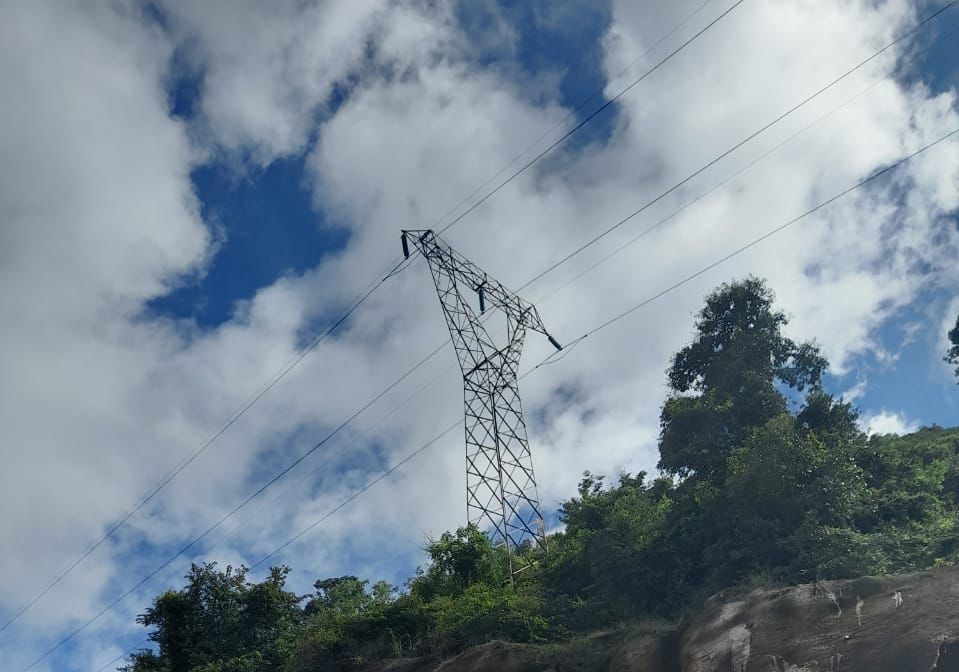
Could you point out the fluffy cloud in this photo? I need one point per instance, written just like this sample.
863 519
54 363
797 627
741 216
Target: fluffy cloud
399 121
99 216
887 422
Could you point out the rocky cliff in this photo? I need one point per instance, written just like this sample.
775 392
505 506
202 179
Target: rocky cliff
905 623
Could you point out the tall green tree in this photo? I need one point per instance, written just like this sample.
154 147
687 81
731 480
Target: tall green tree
728 380
219 622
762 452
952 356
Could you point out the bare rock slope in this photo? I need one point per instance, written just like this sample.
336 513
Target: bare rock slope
900 623
905 623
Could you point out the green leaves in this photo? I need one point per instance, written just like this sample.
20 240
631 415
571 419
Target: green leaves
604 559
738 339
728 380
458 561
952 356
220 622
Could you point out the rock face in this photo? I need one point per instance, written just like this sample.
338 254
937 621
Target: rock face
905 623
633 649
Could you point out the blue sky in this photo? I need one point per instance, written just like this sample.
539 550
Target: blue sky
268 227
206 185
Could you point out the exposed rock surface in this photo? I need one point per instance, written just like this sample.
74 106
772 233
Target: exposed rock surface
905 623
633 649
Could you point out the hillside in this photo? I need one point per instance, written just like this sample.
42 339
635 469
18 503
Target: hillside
905 623
767 481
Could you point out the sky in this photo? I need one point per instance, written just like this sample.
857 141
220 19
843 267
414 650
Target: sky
193 192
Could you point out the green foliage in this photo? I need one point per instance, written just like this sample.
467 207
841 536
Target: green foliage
914 495
767 480
221 623
724 383
483 612
458 561
952 356
594 560
760 449
462 597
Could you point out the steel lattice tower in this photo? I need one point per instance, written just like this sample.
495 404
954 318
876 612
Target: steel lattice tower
501 491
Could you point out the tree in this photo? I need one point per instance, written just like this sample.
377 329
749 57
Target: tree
952 356
766 457
341 597
727 380
221 623
913 485
457 561
782 480
606 559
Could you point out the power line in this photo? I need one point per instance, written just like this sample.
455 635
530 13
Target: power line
876 175
371 288
591 116
725 181
320 466
230 514
583 103
685 206
359 492
318 522
266 505
745 140
126 653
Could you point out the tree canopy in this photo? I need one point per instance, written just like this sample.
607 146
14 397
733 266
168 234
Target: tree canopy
952 356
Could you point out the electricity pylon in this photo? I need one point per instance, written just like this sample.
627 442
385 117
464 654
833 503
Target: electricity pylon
501 494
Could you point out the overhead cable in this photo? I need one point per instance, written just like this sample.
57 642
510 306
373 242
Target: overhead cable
906 35
592 115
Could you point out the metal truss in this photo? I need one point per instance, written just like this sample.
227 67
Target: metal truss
501 495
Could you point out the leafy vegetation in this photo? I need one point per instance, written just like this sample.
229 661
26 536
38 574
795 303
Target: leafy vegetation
765 478
953 355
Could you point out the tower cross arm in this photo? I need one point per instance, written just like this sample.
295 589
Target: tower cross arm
491 291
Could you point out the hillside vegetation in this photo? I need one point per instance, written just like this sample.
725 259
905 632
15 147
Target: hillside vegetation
766 480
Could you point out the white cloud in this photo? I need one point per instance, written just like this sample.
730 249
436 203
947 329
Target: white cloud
887 422
267 68
99 217
855 392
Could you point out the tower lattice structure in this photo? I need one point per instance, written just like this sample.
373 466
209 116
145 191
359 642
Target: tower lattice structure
501 493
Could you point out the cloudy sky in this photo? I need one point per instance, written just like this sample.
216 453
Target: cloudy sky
192 191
